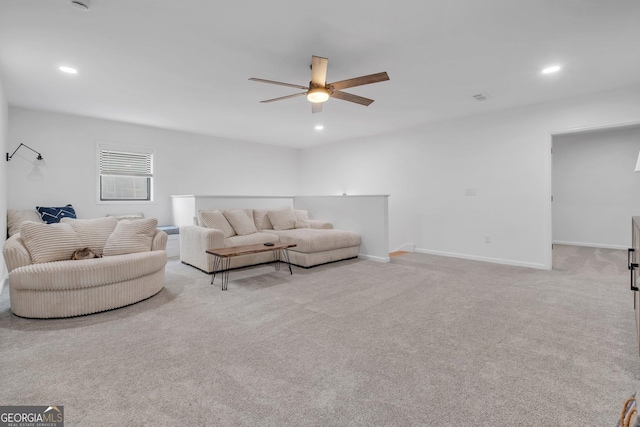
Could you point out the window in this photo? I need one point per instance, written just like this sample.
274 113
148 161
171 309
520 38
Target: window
126 174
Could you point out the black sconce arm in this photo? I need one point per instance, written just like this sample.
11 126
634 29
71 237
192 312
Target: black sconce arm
26 146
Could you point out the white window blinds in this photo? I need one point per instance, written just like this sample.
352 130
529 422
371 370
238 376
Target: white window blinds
122 163
125 173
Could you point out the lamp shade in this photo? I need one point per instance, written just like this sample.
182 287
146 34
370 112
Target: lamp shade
39 162
35 174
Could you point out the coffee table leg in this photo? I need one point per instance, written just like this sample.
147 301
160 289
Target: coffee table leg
285 252
226 265
216 267
276 258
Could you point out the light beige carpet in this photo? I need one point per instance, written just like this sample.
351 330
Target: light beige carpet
424 340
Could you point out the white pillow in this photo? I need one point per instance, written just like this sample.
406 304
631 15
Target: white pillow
302 218
240 221
49 242
15 218
283 218
131 236
215 219
93 233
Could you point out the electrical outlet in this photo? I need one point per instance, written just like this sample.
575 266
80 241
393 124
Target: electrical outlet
487 239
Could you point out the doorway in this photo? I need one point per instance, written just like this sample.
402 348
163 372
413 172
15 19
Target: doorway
594 187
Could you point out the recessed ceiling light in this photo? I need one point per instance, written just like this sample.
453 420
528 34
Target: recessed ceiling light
319 127
68 70
481 96
552 69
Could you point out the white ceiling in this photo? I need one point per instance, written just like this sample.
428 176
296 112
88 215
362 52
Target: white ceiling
184 64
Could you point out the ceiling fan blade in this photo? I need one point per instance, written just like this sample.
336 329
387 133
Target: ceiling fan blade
359 81
351 98
316 107
278 83
285 97
319 71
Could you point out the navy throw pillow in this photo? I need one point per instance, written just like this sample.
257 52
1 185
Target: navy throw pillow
53 215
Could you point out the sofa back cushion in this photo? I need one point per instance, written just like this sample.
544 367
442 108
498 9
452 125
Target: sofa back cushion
261 219
302 218
215 219
131 237
49 242
283 218
240 220
16 218
93 233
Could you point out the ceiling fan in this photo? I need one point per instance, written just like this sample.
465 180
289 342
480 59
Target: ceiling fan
319 90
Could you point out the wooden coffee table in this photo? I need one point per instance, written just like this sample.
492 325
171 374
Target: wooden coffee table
222 262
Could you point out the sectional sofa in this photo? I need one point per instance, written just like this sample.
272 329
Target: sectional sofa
317 242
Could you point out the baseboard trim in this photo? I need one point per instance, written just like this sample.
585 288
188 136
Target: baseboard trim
374 258
590 245
485 259
407 247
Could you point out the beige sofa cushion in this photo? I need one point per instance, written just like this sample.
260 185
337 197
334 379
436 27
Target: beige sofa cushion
49 242
312 240
215 219
241 222
93 233
15 218
302 218
314 223
261 219
283 218
88 273
250 239
131 237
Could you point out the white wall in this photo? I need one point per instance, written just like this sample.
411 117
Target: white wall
3 180
365 215
595 188
184 164
505 156
186 207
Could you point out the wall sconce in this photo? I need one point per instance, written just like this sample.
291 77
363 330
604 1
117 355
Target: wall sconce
36 173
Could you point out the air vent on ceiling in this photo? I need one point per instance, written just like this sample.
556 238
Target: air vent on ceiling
481 97
81 4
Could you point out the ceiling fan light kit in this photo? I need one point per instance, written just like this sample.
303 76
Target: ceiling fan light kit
317 94
320 91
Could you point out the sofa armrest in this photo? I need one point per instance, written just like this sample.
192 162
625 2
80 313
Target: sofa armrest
15 253
314 223
194 241
159 242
